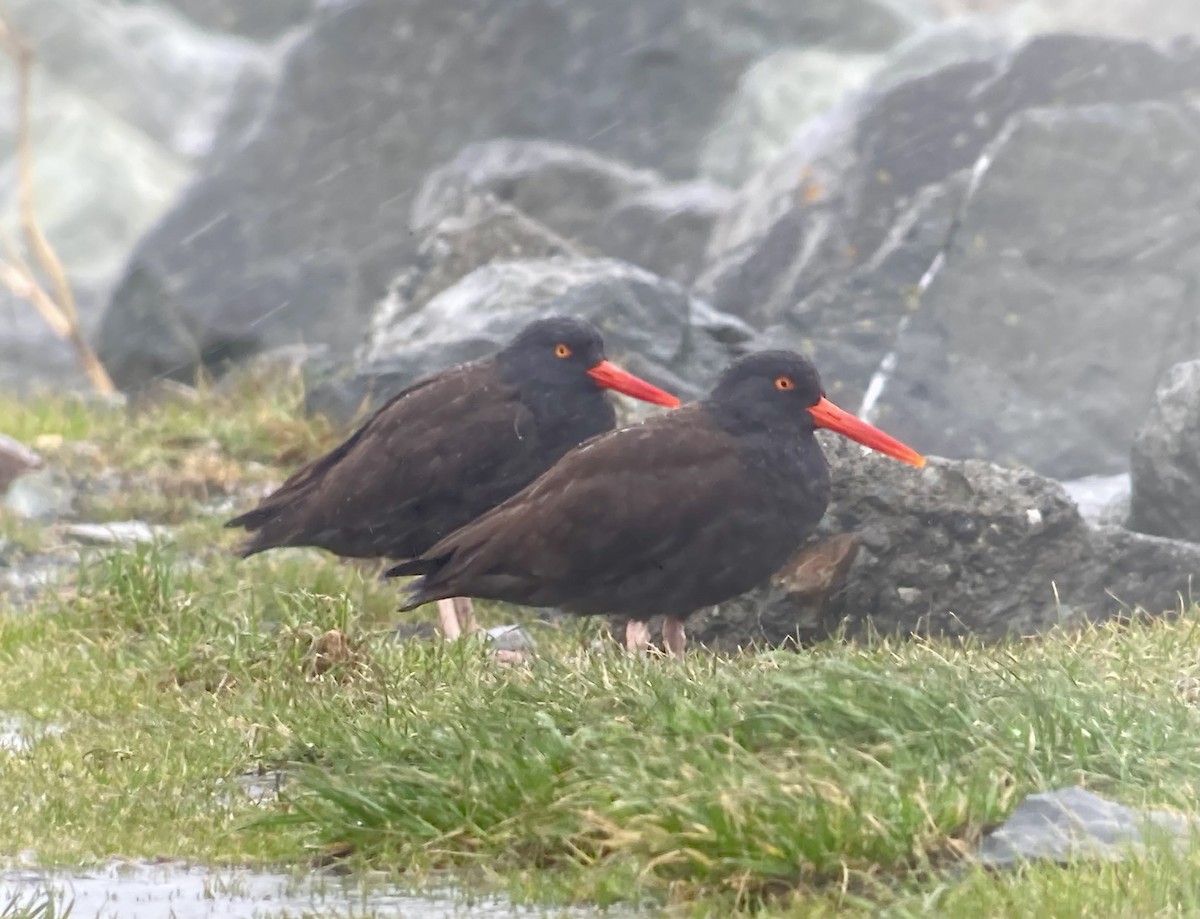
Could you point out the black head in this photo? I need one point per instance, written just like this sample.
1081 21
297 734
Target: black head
770 388
563 352
781 391
558 349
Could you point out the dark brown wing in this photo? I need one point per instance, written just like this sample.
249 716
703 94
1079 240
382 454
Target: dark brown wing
432 458
650 519
306 477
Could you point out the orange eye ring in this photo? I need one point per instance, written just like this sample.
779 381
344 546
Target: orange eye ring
784 383
561 350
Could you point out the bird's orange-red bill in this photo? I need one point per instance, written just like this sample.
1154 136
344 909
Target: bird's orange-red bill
610 376
829 416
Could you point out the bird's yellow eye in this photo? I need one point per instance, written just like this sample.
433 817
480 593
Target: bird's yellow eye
561 350
784 383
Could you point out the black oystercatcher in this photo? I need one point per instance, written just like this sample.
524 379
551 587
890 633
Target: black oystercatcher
678 513
443 451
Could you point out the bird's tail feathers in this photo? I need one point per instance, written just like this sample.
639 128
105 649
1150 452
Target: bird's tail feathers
252 519
419 595
410 567
424 590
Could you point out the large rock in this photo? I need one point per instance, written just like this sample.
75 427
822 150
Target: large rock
261 20
836 194
961 547
784 90
1166 459
482 232
99 183
943 44
144 63
1068 286
592 201
653 327
1153 19
834 245
562 186
32 356
296 233
1070 825
664 229
775 97
125 98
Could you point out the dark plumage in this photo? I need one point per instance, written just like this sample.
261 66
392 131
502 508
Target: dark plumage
447 449
667 517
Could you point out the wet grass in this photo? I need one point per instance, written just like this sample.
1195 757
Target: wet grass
187 449
845 780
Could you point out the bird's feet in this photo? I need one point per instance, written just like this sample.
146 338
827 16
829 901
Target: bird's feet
457 618
637 636
448 619
673 636
465 613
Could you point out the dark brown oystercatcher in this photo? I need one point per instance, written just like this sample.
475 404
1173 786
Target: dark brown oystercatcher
443 451
678 513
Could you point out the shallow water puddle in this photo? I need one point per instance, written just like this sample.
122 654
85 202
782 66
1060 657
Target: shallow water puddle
18 734
176 891
260 787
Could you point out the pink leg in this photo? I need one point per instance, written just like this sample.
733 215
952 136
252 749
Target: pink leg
465 613
449 620
637 637
673 636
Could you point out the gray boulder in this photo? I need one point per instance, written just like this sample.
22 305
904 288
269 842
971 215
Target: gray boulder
483 231
1166 459
560 185
296 232
1072 824
783 91
958 40
261 20
775 97
32 356
1158 20
653 327
143 63
959 548
1067 287
664 230
89 158
593 202
843 240
86 156
125 99
828 204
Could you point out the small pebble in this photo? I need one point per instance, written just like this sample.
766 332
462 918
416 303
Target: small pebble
118 533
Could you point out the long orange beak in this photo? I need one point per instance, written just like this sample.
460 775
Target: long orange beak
830 416
610 376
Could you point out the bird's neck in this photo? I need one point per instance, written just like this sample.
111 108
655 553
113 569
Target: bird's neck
752 421
784 455
566 415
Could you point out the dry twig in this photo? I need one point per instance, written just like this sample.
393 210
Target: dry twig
57 308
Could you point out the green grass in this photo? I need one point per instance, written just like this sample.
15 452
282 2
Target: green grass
180 454
34 906
846 780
